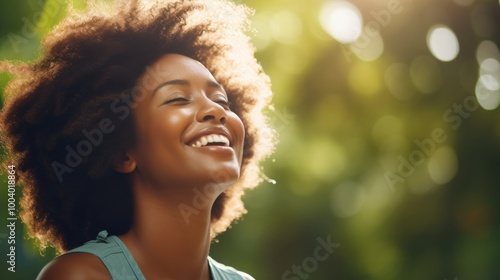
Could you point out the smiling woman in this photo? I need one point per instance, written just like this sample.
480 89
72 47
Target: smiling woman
166 97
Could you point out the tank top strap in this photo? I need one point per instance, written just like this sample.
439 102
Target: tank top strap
122 266
224 272
115 256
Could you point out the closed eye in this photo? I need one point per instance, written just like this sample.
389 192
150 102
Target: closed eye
224 103
176 100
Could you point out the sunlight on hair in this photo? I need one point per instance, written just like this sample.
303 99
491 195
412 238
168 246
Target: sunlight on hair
342 20
442 43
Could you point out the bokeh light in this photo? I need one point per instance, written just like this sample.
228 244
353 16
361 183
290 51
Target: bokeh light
443 165
342 20
359 89
348 199
487 49
488 84
286 27
263 35
442 43
325 159
369 46
488 92
489 66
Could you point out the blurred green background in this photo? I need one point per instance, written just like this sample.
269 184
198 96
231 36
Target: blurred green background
389 147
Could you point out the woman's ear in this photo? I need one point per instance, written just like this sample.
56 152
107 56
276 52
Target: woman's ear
124 163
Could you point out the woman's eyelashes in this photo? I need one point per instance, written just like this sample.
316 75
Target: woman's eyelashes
224 103
185 100
177 100
221 99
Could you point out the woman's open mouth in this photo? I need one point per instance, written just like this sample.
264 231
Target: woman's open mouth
211 140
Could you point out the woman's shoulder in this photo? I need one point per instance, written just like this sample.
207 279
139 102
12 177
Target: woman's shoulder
74 266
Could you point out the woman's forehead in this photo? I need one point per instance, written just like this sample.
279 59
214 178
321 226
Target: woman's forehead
173 67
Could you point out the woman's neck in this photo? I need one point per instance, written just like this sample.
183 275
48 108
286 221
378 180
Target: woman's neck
170 236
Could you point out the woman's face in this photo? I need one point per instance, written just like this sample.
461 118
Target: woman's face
186 133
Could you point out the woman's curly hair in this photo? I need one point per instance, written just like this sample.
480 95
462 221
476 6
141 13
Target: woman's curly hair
92 60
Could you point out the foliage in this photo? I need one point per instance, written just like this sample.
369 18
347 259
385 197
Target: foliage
393 158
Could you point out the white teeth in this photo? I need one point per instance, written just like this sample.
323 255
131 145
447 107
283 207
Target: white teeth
212 138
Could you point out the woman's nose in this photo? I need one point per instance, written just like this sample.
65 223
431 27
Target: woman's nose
211 111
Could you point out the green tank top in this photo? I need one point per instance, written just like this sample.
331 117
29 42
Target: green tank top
122 266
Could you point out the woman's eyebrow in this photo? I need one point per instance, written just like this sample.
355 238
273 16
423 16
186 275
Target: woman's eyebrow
211 84
172 82
216 85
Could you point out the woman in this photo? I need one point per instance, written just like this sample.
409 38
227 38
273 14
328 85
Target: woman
139 126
